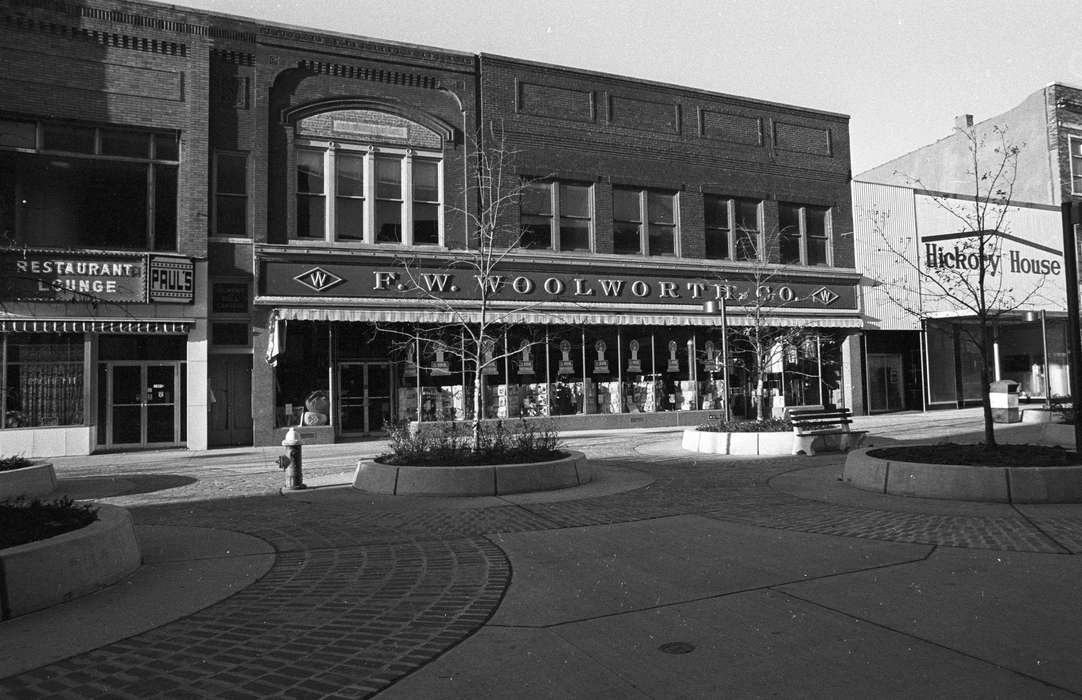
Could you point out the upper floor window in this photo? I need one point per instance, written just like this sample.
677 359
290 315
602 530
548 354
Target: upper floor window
352 192
644 222
556 216
1075 146
230 194
804 234
76 186
732 228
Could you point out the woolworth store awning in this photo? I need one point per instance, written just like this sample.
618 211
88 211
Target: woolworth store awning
640 317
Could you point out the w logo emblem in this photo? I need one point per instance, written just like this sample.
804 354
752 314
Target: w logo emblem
318 279
824 296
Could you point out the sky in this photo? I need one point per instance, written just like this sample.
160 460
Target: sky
902 70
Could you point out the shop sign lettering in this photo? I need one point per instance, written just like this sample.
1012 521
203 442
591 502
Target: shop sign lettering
437 283
388 282
34 276
963 258
172 280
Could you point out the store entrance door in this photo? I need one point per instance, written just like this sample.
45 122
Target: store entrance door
364 397
885 386
230 400
144 404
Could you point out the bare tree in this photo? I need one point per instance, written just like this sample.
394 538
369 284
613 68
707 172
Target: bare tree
475 326
763 342
969 278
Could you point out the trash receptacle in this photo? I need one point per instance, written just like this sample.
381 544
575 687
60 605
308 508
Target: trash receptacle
1003 396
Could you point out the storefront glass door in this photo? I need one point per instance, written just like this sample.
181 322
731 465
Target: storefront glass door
143 401
364 397
885 386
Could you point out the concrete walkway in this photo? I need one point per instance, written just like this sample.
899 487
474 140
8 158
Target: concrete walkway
672 575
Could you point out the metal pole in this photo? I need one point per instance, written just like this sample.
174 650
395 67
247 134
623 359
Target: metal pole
417 372
1047 377
1070 264
725 357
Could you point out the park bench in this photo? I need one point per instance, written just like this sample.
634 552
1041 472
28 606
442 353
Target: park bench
828 425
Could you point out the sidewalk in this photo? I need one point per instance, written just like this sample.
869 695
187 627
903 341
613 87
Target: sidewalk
672 574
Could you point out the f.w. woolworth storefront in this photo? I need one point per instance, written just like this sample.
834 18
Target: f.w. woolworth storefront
269 186
602 345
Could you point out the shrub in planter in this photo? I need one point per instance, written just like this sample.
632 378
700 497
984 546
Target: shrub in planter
766 425
16 462
449 444
24 520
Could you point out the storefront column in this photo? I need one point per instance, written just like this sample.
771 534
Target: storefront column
264 398
995 354
852 375
196 388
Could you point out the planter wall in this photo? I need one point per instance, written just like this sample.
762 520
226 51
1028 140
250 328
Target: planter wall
48 572
779 443
32 482
964 483
488 480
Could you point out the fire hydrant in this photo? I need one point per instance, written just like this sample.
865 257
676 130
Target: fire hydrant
291 461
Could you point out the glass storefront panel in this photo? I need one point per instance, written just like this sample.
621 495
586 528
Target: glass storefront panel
43 380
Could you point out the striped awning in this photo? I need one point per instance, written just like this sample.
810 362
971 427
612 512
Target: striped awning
406 315
113 326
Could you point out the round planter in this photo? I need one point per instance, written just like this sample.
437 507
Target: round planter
31 482
779 443
41 574
962 482
487 480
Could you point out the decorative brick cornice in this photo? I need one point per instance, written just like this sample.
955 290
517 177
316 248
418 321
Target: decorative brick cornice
80 10
380 75
112 39
240 58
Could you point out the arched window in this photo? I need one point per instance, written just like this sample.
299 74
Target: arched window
367 176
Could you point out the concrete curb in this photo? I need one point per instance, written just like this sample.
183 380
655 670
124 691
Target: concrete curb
963 483
31 482
39 574
708 442
488 480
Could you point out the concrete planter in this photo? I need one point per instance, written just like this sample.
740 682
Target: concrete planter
964 483
48 572
487 480
707 442
1040 415
32 482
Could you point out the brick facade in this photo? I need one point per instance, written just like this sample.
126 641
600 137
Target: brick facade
236 86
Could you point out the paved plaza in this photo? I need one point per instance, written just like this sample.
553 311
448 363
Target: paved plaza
671 575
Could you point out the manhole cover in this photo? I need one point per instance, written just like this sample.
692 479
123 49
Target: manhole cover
677 648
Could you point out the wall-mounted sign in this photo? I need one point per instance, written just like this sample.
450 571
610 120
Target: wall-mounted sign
172 280
366 279
71 276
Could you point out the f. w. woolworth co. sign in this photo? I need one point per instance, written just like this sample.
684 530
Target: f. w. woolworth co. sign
388 281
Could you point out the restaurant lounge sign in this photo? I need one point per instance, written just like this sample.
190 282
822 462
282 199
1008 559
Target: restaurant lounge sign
297 279
65 276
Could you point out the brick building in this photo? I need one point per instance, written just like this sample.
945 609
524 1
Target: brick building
918 352
286 184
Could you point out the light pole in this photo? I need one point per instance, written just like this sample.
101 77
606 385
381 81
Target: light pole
714 307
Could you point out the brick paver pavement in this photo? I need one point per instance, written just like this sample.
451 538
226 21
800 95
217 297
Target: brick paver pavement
362 593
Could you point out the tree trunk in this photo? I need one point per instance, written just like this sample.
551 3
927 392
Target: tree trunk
478 409
759 399
986 405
